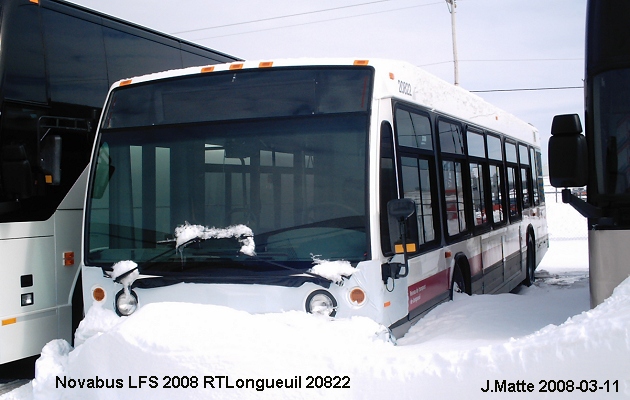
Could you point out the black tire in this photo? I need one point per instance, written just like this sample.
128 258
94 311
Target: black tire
458 283
530 263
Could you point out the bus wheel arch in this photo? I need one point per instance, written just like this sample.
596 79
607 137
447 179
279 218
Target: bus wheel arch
460 280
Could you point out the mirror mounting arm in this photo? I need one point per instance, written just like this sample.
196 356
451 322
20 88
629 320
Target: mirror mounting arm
587 210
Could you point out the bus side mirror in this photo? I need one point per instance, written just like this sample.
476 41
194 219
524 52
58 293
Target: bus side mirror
568 155
399 211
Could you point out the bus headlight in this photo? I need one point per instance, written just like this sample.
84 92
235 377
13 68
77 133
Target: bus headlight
125 304
320 302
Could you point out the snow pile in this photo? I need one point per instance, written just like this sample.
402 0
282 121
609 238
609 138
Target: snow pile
206 342
187 232
334 271
97 321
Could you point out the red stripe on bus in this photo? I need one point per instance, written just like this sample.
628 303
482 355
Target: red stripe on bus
425 290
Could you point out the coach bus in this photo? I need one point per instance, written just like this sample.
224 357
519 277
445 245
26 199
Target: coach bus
57 62
338 187
600 159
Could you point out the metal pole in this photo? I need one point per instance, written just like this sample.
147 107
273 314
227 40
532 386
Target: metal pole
451 8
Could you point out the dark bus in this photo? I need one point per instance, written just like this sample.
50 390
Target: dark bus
57 62
600 159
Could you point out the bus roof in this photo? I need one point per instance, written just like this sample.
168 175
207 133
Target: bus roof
394 79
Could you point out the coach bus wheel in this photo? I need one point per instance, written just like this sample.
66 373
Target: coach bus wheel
530 263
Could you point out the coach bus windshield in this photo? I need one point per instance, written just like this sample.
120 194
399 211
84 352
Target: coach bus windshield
281 151
612 124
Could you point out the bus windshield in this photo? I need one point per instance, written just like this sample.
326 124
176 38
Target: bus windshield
279 152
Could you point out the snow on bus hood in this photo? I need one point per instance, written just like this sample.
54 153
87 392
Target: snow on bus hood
334 271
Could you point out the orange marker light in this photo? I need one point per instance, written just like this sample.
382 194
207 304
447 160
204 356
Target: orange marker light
207 69
387 304
391 76
9 321
68 258
236 66
265 64
125 82
361 62
98 294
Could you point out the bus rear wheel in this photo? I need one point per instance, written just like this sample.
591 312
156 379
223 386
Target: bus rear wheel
530 265
458 283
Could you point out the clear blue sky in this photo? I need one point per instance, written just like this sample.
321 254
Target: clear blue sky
502 44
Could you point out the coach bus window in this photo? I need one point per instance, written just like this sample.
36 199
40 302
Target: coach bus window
122 48
25 73
75 58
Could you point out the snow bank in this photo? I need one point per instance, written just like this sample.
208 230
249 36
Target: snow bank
187 232
211 344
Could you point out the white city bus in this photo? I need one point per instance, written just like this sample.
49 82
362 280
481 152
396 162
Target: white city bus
341 187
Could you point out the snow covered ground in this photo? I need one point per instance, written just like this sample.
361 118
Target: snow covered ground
542 338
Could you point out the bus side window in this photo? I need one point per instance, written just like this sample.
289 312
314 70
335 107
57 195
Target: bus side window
512 195
496 194
513 184
523 154
478 194
454 193
495 156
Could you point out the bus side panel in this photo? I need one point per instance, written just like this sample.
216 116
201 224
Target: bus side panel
492 256
67 251
28 335
428 278
28 268
512 251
